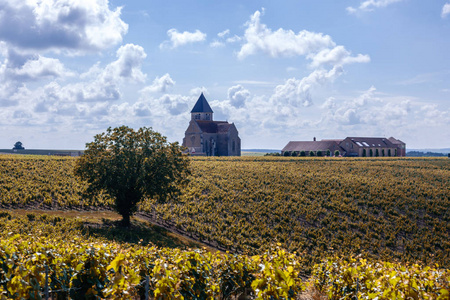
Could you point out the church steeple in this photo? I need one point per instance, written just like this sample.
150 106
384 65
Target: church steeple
202 110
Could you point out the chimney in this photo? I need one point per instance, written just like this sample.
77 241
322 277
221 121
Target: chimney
314 139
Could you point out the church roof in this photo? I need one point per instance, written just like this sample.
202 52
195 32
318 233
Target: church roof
214 126
201 106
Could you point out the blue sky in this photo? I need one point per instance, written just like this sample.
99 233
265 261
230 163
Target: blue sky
280 70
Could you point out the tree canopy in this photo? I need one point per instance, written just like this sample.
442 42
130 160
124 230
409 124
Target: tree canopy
18 146
132 165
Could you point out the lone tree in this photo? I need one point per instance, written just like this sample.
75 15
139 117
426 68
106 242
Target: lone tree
130 165
18 146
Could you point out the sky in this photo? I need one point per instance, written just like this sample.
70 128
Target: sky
281 71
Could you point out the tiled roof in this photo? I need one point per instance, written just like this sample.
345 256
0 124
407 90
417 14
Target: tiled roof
201 106
395 141
224 127
371 142
311 146
214 126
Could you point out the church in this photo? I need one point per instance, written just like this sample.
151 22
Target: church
207 137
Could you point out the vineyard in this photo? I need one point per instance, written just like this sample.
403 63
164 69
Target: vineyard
391 209
383 221
59 258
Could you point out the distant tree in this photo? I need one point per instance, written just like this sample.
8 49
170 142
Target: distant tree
389 152
287 153
336 153
395 152
364 153
377 153
328 152
130 165
370 152
18 146
319 153
311 153
273 154
302 153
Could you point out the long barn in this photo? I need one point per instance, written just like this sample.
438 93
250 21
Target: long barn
350 146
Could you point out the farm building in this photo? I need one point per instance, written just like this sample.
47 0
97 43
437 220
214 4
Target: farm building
207 137
350 146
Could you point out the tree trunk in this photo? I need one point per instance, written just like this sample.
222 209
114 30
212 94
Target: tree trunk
126 220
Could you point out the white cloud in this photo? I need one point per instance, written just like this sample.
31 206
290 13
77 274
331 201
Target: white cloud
216 44
317 47
178 39
223 33
297 93
160 84
87 99
234 39
69 25
280 42
336 56
221 41
39 67
195 92
369 5
238 95
445 10
129 62
374 112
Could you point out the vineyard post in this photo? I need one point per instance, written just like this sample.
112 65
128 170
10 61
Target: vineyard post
147 284
46 282
357 287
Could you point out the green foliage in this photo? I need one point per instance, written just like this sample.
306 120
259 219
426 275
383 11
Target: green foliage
129 165
319 153
358 278
337 153
86 268
388 208
273 154
364 152
302 153
377 153
328 152
18 146
311 153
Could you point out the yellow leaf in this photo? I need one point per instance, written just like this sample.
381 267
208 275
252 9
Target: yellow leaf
116 263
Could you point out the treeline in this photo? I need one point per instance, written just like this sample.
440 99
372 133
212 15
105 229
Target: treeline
425 154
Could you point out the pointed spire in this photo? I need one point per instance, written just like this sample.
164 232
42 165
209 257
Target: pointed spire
201 106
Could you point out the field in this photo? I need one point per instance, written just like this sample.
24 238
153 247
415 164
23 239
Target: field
325 211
